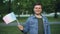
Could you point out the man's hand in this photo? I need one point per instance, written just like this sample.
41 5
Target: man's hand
20 27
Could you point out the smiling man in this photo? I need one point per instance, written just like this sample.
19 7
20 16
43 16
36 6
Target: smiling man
36 24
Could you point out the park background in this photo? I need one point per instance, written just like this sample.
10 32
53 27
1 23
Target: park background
23 9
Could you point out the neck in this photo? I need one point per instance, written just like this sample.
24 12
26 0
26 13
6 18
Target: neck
38 15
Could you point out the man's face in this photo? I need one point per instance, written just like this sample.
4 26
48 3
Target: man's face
37 9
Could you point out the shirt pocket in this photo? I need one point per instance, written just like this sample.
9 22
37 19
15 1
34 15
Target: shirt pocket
33 25
32 22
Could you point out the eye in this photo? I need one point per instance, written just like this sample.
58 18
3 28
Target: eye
36 8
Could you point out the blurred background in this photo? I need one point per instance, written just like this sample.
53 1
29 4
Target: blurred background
23 9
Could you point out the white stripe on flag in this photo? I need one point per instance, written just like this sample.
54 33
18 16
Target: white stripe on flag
9 18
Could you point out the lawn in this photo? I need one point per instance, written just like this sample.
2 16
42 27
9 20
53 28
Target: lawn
9 30
55 29
23 19
50 19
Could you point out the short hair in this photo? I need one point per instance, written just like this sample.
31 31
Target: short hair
38 3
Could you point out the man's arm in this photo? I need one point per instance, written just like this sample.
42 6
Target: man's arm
24 28
48 26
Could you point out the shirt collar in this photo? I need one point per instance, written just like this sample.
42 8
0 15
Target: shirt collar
35 16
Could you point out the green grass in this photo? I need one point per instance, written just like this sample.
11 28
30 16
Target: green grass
55 29
50 19
23 19
9 30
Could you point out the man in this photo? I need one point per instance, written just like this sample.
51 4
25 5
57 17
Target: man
36 24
